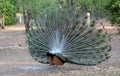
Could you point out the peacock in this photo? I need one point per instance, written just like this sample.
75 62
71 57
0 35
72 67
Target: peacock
64 34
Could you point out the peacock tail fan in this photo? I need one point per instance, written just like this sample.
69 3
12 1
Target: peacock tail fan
65 32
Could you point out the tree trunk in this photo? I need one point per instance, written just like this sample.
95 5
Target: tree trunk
70 2
118 28
2 22
26 19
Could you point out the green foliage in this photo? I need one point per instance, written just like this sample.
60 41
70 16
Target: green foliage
15 3
39 6
9 13
96 7
113 8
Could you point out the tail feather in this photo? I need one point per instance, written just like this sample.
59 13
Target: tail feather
66 32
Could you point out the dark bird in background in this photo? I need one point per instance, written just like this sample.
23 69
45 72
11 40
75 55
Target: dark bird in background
61 35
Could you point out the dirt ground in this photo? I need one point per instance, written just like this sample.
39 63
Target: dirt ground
16 61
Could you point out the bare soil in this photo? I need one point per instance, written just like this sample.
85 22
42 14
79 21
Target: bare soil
15 59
